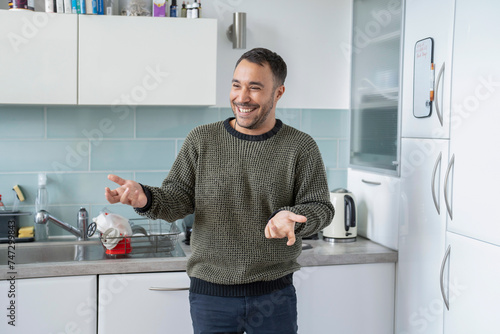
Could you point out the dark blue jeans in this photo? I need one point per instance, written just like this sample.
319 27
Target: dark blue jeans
274 313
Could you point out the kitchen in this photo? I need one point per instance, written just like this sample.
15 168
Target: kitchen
77 145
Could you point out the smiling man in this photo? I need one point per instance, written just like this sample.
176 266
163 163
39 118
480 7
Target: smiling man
256 186
256 88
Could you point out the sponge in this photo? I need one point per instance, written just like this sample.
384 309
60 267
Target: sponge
26 232
19 193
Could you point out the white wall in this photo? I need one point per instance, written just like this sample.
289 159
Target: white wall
309 35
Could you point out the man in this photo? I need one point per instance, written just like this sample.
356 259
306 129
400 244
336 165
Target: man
256 187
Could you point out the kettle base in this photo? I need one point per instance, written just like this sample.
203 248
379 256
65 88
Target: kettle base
339 240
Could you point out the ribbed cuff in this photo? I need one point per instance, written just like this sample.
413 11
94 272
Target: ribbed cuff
149 196
239 290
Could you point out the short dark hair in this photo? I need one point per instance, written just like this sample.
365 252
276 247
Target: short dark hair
261 56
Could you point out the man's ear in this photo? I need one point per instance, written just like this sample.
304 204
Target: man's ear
279 92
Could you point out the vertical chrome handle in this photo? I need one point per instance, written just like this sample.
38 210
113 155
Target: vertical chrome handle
446 201
433 182
436 95
441 278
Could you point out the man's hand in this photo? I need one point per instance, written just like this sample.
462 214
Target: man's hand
129 192
283 225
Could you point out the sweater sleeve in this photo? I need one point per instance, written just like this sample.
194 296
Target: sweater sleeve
312 197
174 199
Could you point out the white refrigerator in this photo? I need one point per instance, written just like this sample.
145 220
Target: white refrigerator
427 62
449 236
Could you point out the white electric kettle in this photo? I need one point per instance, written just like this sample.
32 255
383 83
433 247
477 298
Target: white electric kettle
343 227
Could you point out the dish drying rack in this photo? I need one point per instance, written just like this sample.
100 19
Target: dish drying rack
148 236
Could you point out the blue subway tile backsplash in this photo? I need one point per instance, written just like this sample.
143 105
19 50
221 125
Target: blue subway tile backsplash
89 122
79 146
22 122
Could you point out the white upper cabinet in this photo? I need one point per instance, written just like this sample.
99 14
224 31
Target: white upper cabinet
106 60
376 59
473 182
38 57
146 61
428 19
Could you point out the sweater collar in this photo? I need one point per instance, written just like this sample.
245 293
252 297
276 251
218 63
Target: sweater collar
264 136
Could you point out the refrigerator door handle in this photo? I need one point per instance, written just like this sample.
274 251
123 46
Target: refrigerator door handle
446 200
433 182
436 95
441 277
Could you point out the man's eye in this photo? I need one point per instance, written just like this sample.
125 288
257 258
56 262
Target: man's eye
255 88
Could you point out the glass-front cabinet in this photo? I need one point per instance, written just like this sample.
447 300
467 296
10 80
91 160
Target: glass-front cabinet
375 85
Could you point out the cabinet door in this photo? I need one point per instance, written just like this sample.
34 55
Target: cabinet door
146 61
377 206
423 19
50 305
128 305
38 57
472 288
376 50
473 177
422 233
354 299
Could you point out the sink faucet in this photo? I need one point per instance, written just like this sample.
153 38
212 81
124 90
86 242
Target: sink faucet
43 217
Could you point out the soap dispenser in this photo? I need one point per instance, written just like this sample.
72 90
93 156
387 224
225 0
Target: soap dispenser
41 203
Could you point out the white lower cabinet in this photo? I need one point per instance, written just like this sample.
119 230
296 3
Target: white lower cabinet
127 304
354 299
377 206
472 288
49 305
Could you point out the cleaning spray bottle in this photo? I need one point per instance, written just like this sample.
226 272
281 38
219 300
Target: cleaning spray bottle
41 203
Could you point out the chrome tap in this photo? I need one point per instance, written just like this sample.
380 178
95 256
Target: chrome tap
43 217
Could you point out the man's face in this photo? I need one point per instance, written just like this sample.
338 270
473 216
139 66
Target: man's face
253 98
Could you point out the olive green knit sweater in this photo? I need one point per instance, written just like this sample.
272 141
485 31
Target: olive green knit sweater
234 183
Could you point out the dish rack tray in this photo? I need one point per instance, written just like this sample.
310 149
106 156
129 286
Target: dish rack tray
148 236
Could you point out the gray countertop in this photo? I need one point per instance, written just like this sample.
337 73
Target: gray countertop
322 253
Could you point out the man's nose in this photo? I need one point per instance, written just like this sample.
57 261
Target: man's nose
243 96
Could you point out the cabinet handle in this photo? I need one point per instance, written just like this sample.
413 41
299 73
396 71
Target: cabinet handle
446 201
436 95
371 182
433 182
153 288
441 278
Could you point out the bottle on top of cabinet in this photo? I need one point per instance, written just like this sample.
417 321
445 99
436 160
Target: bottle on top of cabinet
183 9
173 9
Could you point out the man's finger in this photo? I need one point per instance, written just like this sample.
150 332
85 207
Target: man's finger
297 218
111 197
266 232
291 239
125 198
116 179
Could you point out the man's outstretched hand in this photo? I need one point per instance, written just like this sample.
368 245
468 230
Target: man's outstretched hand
129 192
283 225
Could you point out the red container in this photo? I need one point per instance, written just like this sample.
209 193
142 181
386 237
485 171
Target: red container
122 247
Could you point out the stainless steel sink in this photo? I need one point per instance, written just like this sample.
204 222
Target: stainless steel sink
55 252
69 251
